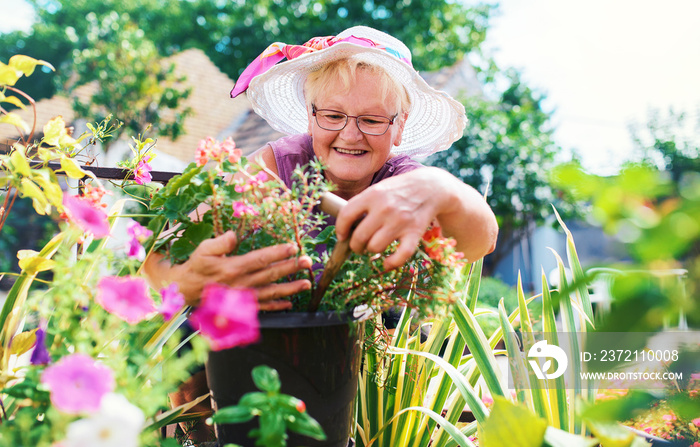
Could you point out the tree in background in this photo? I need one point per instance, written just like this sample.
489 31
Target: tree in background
507 152
233 33
134 85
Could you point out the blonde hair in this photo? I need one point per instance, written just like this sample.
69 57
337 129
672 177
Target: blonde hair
343 72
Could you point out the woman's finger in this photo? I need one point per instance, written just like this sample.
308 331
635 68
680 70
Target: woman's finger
274 272
275 291
407 246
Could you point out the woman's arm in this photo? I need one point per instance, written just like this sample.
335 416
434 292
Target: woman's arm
402 207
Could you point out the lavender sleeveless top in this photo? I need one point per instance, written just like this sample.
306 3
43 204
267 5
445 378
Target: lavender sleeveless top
296 150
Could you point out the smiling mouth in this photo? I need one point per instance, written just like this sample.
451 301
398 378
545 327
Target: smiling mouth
350 151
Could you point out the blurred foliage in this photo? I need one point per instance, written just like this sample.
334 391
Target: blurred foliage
133 86
24 229
491 290
507 152
233 33
653 206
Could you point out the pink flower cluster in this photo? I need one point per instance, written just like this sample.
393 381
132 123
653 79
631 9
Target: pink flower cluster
210 149
253 182
241 209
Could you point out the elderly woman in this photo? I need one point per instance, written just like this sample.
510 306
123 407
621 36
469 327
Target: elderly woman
355 102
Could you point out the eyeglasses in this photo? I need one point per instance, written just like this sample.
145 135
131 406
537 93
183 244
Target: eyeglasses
368 124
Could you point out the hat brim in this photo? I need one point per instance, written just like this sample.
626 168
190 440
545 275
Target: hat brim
435 121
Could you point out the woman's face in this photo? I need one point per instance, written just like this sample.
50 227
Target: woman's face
351 157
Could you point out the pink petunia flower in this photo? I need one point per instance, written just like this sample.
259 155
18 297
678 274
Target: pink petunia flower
87 217
227 316
240 209
142 172
696 422
77 383
137 235
126 297
173 301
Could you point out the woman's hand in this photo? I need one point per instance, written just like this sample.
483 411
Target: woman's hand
402 207
258 269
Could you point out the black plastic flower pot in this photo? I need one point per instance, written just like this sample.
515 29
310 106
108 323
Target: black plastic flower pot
317 356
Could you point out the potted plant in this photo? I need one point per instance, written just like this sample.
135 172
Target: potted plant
316 347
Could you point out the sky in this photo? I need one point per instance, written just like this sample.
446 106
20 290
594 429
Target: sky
602 64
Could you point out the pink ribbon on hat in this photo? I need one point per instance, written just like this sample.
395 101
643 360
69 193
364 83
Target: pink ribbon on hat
278 51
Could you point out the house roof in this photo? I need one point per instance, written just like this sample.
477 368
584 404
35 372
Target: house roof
214 113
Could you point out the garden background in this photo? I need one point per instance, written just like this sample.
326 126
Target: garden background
122 57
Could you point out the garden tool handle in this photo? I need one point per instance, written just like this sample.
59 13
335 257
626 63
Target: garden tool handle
330 204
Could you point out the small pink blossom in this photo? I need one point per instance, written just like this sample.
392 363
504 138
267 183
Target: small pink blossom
227 316
126 297
205 150
173 301
696 421
258 179
86 216
228 149
241 209
94 194
77 383
137 235
142 172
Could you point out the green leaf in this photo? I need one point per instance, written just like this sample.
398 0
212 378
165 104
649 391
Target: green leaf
174 185
12 100
32 263
9 75
479 347
56 134
27 64
266 379
190 239
254 399
39 201
23 342
272 430
306 425
611 434
555 437
511 425
19 163
48 182
72 168
235 414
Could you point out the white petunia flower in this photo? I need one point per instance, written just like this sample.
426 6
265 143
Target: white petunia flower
118 423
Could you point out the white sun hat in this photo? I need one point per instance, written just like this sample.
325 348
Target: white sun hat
276 91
